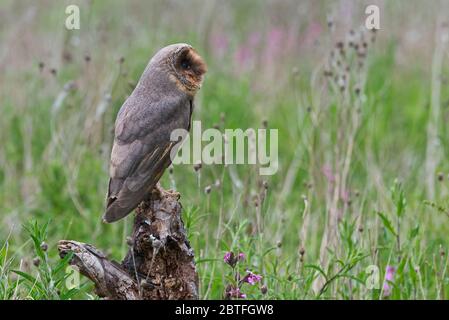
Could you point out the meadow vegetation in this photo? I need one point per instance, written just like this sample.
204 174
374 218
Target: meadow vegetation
363 181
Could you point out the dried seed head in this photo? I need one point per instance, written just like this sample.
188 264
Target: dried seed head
197 167
360 229
328 73
264 289
170 170
256 202
36 262
208 189
87 58
53 71
302 251
44 246
265 185
279 244
41 66
440 176
357 90
265 123
222 117
121 60
129 241
216 126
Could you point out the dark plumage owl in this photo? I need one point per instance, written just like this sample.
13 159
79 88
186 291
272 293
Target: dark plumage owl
161 102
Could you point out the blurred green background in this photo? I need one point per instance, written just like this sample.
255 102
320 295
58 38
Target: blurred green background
363 142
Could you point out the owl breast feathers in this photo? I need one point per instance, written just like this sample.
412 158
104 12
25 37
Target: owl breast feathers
161 102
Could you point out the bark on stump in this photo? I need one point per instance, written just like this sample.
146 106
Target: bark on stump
159 264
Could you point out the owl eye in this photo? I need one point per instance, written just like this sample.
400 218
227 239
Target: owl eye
185 65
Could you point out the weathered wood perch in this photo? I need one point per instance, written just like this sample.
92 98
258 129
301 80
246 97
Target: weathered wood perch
159 264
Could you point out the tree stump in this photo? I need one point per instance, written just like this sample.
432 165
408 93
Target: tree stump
159 264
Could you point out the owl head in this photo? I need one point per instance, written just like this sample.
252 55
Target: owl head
184 65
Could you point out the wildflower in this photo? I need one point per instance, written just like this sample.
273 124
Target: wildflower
252 278
389 277
208 189
235 293
229 258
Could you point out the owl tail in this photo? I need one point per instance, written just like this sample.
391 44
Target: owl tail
114 213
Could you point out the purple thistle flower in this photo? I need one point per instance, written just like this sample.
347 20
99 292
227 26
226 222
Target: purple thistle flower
241 256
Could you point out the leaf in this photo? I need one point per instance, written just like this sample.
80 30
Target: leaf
413 233
29 278
317 268
387 223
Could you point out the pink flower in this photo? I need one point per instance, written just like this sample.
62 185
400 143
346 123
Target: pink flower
231 259
236 293
228 258
327 171
219 43
243 55
252 278
389 277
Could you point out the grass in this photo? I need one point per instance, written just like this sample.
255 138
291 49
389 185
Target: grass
351 196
